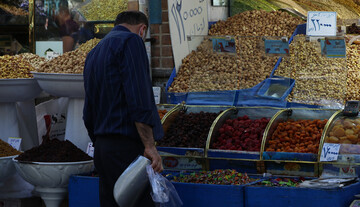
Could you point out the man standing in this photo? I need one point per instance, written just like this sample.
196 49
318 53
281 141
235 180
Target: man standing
120 112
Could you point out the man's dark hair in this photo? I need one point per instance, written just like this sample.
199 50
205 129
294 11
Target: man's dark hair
132 18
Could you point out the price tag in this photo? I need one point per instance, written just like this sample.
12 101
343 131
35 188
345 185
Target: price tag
223 44
333 48
350 170
90 149
157 94
277 47
51 55
321 23
329 152
15 142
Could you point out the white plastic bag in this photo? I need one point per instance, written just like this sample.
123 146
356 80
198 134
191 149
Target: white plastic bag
163 192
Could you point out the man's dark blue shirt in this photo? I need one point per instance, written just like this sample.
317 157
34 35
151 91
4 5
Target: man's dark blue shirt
118 87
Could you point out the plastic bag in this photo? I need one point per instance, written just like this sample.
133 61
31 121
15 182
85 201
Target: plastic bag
163 192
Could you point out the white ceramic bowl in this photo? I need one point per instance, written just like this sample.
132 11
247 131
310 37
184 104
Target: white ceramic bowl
7 167
61 84
22 89
51 175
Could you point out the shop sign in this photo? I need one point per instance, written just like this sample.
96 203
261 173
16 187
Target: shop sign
329 152
15 142
320 23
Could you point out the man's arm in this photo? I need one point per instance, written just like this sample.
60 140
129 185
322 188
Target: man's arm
146 135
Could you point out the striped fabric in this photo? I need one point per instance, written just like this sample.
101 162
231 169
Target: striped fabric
118 87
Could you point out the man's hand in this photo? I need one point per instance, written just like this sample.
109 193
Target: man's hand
152 154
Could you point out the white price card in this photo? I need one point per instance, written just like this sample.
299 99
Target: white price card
157 94
90 149
329 152
15 142
320 23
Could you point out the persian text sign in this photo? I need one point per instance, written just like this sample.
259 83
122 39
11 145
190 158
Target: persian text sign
186 18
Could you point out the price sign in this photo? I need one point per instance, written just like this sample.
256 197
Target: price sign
90 149
329 152
224 44
321 23
51 55
333 48
157 94
350 171
15 142
277 47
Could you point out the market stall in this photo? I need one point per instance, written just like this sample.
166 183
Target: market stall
251 108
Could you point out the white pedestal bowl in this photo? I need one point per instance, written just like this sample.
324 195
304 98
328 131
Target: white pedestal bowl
7 167
51 179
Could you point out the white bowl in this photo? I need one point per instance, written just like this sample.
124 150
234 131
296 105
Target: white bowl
61 84
22 89
7 167
51 175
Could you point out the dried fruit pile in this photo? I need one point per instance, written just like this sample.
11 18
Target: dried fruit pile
162 112
345 131
281 182
302 136
188 130
218 177
7 150
241 133
54 151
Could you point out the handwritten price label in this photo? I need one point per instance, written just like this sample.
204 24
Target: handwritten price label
329 152
15 142
350 170
321 23
90 149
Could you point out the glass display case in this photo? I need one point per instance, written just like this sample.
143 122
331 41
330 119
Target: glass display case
343 133
63 25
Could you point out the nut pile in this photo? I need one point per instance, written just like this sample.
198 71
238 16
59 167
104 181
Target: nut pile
12 67
70 62
34 60
353 75
257 23
13 10
205 70
103 10
344 8
319 80
7 150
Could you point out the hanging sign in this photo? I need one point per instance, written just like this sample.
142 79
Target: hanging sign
333 48
15 142
329 152
277 47
223 44
320 23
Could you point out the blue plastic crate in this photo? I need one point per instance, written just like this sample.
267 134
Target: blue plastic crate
263 196
174 98
286 83
83 191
